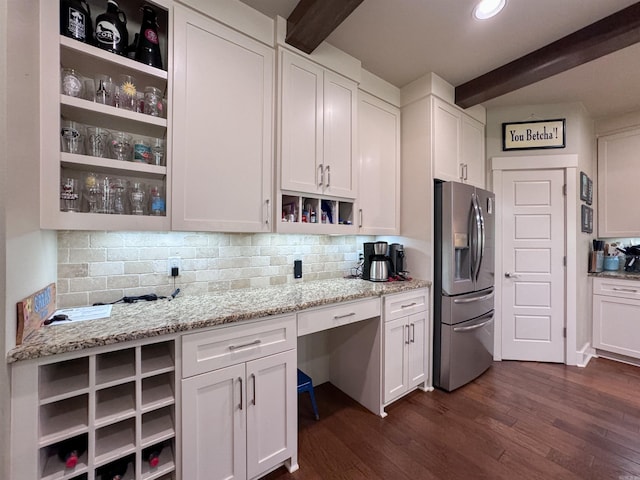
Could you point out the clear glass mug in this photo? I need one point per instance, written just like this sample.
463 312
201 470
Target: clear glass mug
97 142
72 136
121 145
91 191
70 195
153 101
71 83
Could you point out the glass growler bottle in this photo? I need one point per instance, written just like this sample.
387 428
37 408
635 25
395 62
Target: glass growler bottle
148 47
75 20
111 29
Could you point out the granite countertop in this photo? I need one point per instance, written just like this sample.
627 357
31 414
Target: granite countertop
184 313
622 275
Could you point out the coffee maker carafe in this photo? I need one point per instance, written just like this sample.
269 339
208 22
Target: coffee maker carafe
376 262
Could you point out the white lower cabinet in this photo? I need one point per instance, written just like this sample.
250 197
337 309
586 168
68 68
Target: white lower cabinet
616 316
405 344
240 421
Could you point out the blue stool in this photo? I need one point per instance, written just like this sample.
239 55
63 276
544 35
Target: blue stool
306 385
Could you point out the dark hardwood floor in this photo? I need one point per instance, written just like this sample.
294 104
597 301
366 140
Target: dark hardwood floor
520 420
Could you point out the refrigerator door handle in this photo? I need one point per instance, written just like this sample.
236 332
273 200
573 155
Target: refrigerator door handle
482 238
472 228
477 244
473 327
474 299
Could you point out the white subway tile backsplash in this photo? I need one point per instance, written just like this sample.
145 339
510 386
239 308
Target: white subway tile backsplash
105 266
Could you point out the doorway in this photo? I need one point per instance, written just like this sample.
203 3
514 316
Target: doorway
535 305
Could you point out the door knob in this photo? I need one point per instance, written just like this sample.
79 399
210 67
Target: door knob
510 275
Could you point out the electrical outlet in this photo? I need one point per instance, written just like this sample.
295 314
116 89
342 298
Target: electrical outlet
173 262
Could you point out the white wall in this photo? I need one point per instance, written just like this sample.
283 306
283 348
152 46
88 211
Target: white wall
28 259
580 140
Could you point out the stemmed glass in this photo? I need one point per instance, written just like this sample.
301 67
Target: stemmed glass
91 191
121 145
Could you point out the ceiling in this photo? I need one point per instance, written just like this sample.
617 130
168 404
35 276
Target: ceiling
401 40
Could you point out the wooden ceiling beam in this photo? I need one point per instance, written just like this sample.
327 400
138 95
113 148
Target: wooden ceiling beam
312 21
612 33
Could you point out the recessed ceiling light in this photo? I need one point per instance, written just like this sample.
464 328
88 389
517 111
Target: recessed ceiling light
488 8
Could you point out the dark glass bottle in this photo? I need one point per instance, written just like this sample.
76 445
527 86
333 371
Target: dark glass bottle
75 20
70 451
151 455
148 48
115 470
111 29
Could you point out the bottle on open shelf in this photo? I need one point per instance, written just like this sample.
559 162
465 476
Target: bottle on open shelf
70 450
151 455
117 469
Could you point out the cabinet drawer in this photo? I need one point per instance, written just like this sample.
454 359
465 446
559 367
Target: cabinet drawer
616 288
403 304
213 349
328 317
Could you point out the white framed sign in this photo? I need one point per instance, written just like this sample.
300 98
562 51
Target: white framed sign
533 135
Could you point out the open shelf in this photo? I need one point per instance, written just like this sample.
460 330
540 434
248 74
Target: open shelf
166 465
64 419
115 404
111 166
106 471
157 358
53 468
157 391
315 214
59 380
115 367
157 426
115 441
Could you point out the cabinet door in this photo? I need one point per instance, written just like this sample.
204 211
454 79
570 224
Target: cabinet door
340 105
616 325
447 125
417 358
396 338
213 425
379 166
272 411
618 180
223 128
472 147
301 132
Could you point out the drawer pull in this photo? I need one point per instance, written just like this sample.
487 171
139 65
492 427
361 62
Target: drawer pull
250 344
630 290
253 376
410 305
240 382
338 317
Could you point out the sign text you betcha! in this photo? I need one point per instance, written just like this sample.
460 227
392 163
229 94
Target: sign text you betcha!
533 135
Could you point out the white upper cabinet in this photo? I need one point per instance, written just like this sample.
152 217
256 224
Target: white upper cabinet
618 180
318 129
223 127
458 145
379 166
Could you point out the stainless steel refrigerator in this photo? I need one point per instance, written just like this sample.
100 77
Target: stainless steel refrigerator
463 283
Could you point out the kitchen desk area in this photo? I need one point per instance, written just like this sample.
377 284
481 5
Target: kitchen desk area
210 380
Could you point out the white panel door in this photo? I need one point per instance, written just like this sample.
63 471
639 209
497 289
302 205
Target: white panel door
417 359
301 124
396 338
213 425
379 166
223 127
533 288
339 135
272 411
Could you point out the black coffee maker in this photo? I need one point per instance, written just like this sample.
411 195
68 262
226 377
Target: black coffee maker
376 262
396 257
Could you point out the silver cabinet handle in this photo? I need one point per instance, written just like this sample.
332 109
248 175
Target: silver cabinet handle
268 202
413 333
240 382
338 317
253 376
321 176
360 226
464 171
409 305
510 275
630 290
328 176
250 344
408 338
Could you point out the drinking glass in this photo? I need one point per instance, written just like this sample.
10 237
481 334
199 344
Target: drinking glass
91 192
121 145
157 151
70 195
72 137
105 195
141 150
127 92
119 186
89 89
153 101
105 89
71 82
97 141
137 196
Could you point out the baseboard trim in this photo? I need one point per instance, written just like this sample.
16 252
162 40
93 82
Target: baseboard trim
585 354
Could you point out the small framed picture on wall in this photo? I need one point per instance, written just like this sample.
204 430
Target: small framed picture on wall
586 219
584 186
589 191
